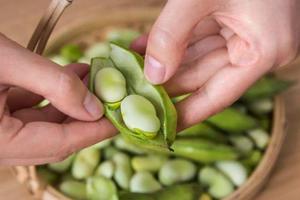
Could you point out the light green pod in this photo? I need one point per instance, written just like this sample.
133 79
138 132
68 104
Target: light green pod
219 186
101 188
139 115
151 163
242 143
123 171
99 49
109 152
144 182
85 163
110 85
260 137
233 170
106 169
176 171
73 189
63 165
60 60
125 145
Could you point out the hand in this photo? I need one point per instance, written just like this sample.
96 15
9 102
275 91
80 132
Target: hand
36 136
216 49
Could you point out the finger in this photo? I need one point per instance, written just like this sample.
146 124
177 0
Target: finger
3 97
203 47
207 27
169 37
189 79
19 98
139 45
220 91
42 142
41 76
46 114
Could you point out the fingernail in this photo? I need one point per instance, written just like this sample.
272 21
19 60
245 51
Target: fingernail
154 70
93 106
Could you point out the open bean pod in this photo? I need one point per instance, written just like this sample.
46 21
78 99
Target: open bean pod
142 112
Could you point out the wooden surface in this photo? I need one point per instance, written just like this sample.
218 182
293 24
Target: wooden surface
19 17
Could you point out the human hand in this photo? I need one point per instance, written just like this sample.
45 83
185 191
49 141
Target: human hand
35 136
216 49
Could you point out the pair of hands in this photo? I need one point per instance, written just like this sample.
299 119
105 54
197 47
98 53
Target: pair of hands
213 49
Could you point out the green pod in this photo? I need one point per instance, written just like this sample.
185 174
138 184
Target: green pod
242 143
151 163
46 175
144 182
123 144
266 87
191 191
205 196
123 171
60 60
74 189
202 150
106 169
100 49
219 186
260 137
130 65
232 120
123 37
71 52
85 163
252 159
177 171
101 188
109 152
261 106
203 130
62 166
265 122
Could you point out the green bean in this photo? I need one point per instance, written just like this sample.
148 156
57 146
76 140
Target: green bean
99 49
110 85
85 163
109 152
261 106
106 169
123 171
135 108
176 171
62 166
266 87
205 196
219 185
60 60
123 144
202 150
47 175
151 163
144 182
103 143
101 188
74 189
181 191
122 37
232 121
260 137
203 130
135 196
233 170
265 122
253 159
242 143
71 52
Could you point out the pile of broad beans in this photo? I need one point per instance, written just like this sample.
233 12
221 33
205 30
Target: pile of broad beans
209 160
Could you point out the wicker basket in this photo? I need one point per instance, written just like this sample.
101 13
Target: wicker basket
91 31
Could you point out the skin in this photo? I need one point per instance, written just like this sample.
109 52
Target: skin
214 49
36 136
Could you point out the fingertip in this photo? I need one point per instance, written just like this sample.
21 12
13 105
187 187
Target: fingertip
154 70
93 106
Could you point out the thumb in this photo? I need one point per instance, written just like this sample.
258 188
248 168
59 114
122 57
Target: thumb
169 37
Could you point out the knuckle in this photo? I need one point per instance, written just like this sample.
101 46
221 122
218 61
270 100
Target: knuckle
67 83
